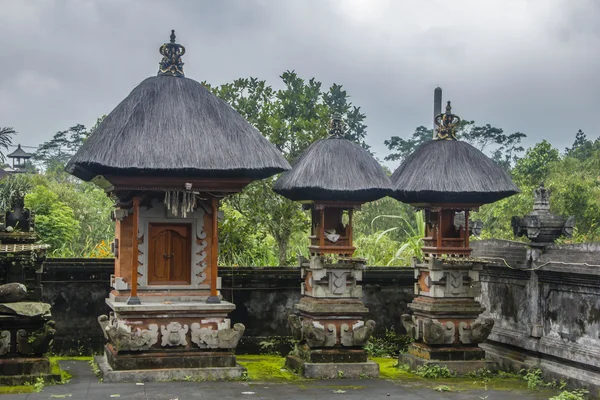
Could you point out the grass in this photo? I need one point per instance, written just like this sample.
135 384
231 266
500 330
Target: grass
266 368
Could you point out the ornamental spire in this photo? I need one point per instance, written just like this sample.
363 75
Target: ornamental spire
336 125
446 124
171 63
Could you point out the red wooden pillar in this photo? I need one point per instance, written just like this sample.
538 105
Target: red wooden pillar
134 299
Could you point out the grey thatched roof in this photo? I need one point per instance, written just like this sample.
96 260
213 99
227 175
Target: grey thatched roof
334 169
450 171
19 153
171 125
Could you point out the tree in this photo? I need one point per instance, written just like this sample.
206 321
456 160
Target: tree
502 148
6 135
531 170
55 153
292 118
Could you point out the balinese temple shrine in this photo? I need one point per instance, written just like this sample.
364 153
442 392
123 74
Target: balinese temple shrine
448 179
167 155
332 178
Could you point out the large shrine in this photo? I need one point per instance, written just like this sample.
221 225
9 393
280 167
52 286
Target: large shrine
167 155
448 179
332 178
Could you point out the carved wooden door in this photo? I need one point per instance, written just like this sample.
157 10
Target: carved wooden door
169 254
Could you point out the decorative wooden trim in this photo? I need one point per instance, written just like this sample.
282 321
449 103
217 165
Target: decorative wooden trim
214 248
134 247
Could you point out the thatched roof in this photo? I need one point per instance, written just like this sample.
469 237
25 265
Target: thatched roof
19 153
171 125
334 169
450 171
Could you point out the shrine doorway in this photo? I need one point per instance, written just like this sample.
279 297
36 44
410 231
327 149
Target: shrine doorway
169 254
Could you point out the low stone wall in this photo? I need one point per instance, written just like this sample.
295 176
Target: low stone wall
77 288
546 307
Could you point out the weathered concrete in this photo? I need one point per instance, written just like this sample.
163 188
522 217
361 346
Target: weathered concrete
163 375
368 369
546 304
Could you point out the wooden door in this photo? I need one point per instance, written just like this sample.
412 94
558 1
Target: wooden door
169 254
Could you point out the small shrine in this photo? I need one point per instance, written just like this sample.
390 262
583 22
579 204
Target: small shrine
332 178
19 159
448 179
168 154
541 226
26 326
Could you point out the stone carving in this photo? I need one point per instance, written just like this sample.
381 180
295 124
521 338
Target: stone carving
478 332
174 334
359 335
454 283
337 282
316 335
4 342
540 225
411 327
121 336
36 342
220 338
435 332
295 325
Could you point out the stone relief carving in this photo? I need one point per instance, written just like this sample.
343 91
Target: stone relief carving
221 338
4 342
412 329
123 338
174 334
478 332
359 335
312 332
35 342
454 283
434 332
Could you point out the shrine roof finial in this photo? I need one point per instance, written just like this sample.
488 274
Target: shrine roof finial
336 125
446 124
171 63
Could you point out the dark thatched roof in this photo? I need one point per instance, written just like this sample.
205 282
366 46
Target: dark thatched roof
171 125
450 171
19 153
334 169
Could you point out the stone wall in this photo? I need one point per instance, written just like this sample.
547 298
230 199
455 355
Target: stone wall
546 307
76 289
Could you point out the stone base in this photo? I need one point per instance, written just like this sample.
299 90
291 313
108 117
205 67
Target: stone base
446 353
336 356
174 359
168 374
359 370
457 367
19 370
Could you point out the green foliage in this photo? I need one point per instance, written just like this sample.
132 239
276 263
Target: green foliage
534 379
412 245
389 344
578 394
292 118
377 249
13 187
366 222
6 135
433 371
442 388
54 221
530 170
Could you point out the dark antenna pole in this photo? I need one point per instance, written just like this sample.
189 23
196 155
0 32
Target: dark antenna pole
437 106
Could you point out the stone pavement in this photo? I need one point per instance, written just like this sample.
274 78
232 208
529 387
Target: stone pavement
85 386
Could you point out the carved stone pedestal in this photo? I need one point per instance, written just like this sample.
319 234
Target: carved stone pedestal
23 342
159 340
329 322
446 325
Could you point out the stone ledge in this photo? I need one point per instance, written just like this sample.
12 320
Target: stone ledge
457 367
118 306
162 375
367 369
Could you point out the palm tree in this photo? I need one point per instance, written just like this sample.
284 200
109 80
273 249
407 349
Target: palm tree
5 141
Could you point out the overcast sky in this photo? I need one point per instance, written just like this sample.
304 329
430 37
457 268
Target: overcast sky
523 65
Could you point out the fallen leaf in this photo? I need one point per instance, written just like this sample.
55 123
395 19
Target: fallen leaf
248 393
339 391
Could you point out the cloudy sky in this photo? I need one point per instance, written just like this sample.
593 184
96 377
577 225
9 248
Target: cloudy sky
522 65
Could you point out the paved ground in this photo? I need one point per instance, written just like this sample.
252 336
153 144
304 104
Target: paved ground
85 386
